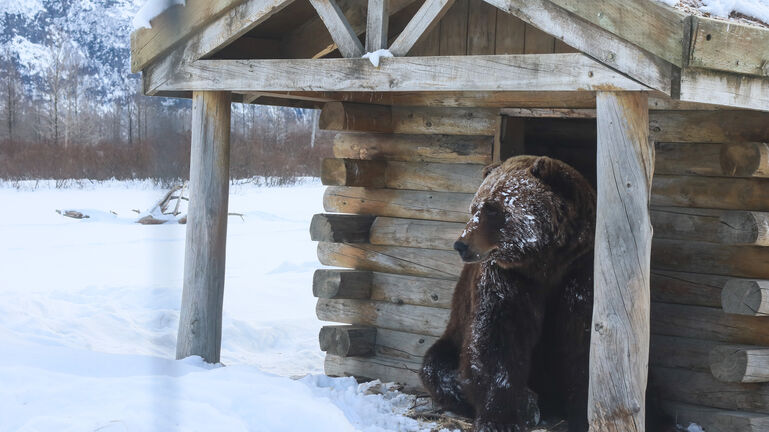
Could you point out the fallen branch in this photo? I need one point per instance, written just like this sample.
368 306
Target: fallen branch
72 214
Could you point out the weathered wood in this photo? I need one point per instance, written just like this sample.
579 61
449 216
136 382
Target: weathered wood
340 228
341 31
402 175
414 148
711 192
708 323
650 25
700 257
481 25
453 29
738 91
348 341
746 159
625 165
383 368
356 117
687 288
425 19
377 19
680 352
537 41
709 126
729 46
353 172
391 259
200 320
729 227
688 159
415 233
716 420
408 318
402 289
552 72
510 34
341 284
402 345
746 297
740 363
583 113
442 206
598 43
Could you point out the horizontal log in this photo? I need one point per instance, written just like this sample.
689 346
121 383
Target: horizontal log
709 126
687 288
400 289
729 46
414 148
415 233
347 116
725 89
746 297
345 284
340 228
749 159
378 367
347 341
391 259
708 323
405 318
402 175
701 257
739 363
716 420
730 227
442 206
680 352
403 345
447 121
711 192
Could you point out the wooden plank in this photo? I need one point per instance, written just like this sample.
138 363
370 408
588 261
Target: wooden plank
738 91
712 226
340 228
425 19
745 159
681 352
574 113
428 45
442 206
414 148
347 341
420 291
377 19
592 40
708 323
732 159
740 363
415 233
408 318
200 320
652 26
700 257
341 32
625 165
709 126
716 420
402 175
454 29
344 284
172 26
402 345
510 34
385 369
537 41
687 288
391 259
711 192
481 28
746 297
447 121
552 72
729 46
355 117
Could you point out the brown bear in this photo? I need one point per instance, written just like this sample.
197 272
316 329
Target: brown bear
522 309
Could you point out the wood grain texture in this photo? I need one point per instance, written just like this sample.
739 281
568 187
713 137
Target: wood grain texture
407 318
701 257
708 323
423 21
391 259
745 159
386 369
510 34
377 21
341 284
622 248
441 206
403 345
687 288
733 159
347 341
740 363
415 233
341 32
729 46
728 227
746 297
711 192
453 26
681 352
345 116
340 228
414 148
353 172
420 291
200 320
720 88
721 126
717 420
481 28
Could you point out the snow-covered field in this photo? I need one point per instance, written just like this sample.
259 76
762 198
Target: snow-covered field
89 314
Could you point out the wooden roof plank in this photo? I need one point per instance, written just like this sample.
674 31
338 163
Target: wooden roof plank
729 46
720 88
341 32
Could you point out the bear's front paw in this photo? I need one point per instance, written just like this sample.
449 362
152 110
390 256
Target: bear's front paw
481 425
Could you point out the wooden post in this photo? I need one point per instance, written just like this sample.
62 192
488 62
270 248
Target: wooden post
200 322
619 351
377 21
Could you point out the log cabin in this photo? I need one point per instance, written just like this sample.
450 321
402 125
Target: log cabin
665 112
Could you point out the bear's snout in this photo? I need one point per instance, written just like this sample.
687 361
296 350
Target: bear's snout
463 249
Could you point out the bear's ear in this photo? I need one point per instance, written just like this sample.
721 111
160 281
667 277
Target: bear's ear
489 168
549 171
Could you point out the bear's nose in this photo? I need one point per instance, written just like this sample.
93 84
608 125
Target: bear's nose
461 247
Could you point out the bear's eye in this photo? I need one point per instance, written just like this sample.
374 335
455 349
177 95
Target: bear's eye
492 210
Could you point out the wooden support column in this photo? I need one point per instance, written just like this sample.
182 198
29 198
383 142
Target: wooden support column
619 351
200 323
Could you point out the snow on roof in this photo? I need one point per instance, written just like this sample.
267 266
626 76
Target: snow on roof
151 9
755 12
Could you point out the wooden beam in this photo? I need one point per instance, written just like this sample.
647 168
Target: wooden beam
712 226
445 206
708 323
734 159
403 317
552 72
721 126
729 46
625 165
385 368
731 90
592 40
748 297
717 420
413 290
583 113
745 159
711 192
740 364
687 288
347 284
377 20
347 116
403 345
341 31
347 341
353 172
340 228
200 320
387 231
425 19
680 352
414 148
701 257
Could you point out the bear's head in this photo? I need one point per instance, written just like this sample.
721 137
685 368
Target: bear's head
530 211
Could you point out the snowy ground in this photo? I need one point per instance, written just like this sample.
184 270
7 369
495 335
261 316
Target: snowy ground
89 313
